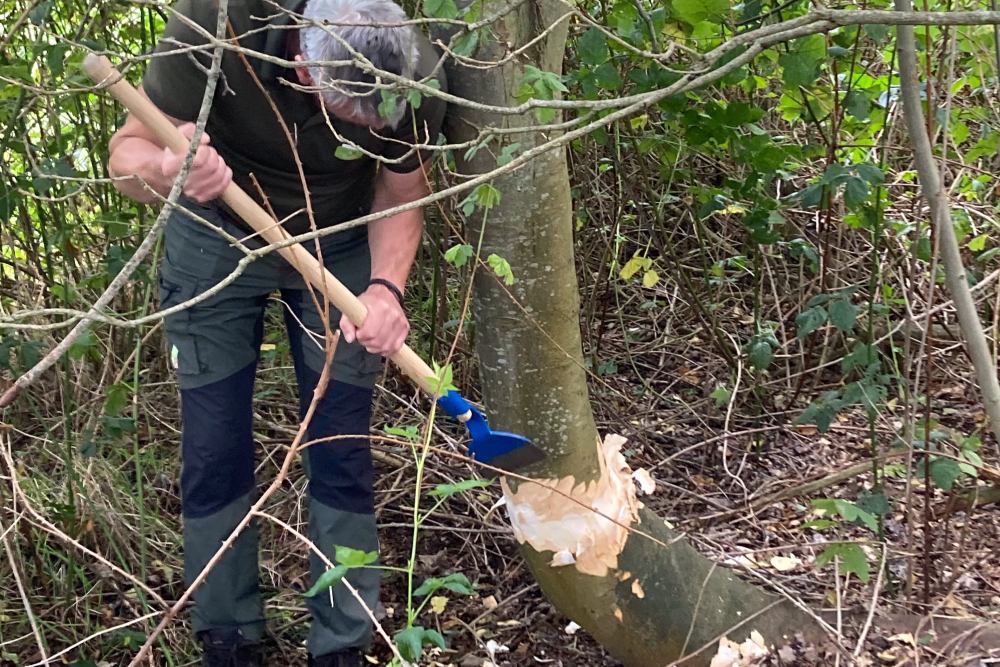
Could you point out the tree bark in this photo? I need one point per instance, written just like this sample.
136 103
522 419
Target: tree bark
673 600
951 256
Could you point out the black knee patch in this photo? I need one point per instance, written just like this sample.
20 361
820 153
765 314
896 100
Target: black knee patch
218 447
341 474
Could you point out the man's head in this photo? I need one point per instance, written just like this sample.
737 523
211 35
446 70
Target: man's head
348 91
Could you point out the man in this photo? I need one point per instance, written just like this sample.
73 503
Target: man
214 345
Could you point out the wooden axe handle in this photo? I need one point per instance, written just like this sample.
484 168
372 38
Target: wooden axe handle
101 71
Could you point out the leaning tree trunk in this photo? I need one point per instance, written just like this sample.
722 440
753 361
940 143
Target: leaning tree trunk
647 601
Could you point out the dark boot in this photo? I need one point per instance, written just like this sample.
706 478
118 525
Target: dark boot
348 658
228 648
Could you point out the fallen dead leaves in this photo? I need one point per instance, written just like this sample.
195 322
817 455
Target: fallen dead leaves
731 654
647 485
785 563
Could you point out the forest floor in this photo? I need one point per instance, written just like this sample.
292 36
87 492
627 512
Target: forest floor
720 491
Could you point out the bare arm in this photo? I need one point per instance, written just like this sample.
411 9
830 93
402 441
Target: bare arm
136 152
393 241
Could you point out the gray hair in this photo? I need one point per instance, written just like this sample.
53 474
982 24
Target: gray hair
390 49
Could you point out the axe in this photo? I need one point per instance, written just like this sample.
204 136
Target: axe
506 451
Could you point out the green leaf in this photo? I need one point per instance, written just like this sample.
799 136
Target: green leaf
442 379
843 313
545 115
471 153
593 48
458 583
387 107
977 244
347 152
975 463
459 254
466 44
414 98
115 399
945 472
988 255
739 114
607 368
327 580
115 427
875 504
608 77
434 637
810 196
29 353
721 396
802 248
507 154
449 490
877 31
7 344
801 63
8 201
86 342
440 9
852 557
959 132
355 557
40 12
502 268
870 173
761 355
696 11
810 320
861 356
41 184
855 560
487 196
410 432
539 83
55 58
985 147
845 508
855 193
130 639
820 524
88 446
429 586
411 642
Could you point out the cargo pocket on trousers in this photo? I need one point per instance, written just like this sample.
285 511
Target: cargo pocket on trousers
184 358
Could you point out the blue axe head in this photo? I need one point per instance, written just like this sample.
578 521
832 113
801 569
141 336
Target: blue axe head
506 451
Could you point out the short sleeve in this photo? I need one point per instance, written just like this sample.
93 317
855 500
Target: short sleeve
175 83
421 125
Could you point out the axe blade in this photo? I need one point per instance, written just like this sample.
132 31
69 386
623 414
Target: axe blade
507 451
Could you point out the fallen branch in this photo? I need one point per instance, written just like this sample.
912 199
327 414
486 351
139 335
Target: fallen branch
802 489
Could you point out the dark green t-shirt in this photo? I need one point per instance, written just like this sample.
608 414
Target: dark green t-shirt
243 127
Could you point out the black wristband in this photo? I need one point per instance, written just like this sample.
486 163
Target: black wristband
389 286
